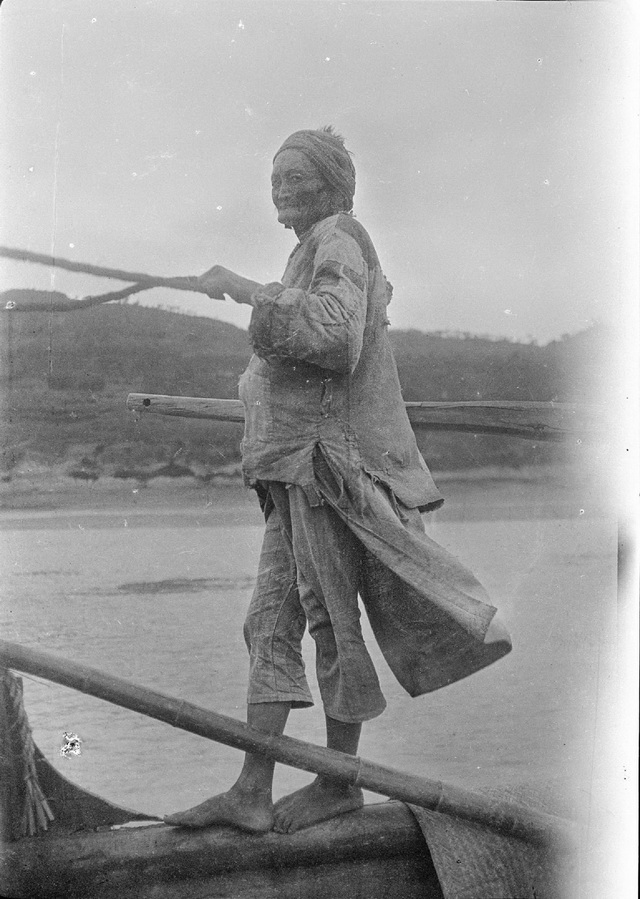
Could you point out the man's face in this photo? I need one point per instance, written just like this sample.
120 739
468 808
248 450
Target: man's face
297 190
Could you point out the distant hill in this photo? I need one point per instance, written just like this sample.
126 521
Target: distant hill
65 378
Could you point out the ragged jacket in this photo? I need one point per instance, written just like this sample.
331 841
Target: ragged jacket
323 379
323 374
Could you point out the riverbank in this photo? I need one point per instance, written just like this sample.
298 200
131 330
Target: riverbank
553 491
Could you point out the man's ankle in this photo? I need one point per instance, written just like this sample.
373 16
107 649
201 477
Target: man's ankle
253 788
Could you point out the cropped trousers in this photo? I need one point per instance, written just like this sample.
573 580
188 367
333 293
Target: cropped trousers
310 570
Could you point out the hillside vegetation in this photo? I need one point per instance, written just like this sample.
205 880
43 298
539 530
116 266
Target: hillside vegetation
65 378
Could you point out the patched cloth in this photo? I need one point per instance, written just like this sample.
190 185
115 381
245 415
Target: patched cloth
323 372
323 384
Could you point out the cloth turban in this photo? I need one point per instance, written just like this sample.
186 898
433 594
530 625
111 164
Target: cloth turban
327 152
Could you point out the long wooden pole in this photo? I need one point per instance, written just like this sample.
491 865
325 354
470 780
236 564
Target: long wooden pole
507 818
534 421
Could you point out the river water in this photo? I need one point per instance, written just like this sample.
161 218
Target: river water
158 594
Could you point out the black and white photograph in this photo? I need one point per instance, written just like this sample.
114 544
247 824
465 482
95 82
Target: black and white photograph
319 457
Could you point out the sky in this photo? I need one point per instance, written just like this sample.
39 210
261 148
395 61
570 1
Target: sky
493 145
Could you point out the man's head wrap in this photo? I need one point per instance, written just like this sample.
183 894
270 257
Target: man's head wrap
327 152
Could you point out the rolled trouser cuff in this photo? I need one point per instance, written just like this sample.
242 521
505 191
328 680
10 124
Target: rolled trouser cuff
296 700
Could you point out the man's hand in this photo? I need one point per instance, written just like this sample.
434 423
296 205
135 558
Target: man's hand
219 281
216 282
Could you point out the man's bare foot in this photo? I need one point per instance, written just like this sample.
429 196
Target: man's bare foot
321 800
248 810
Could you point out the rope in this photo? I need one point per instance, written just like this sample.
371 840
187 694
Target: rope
69 305
186 283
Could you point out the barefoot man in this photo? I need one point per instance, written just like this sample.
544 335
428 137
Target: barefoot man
329 449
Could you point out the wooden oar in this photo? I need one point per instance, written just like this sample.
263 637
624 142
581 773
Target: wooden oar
534 421
506 818
101 271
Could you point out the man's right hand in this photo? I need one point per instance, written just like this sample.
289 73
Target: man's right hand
220 281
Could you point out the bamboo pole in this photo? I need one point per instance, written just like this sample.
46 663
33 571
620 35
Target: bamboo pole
507 818
100 271
533 421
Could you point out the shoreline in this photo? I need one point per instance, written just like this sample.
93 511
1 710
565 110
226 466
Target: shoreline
558 490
